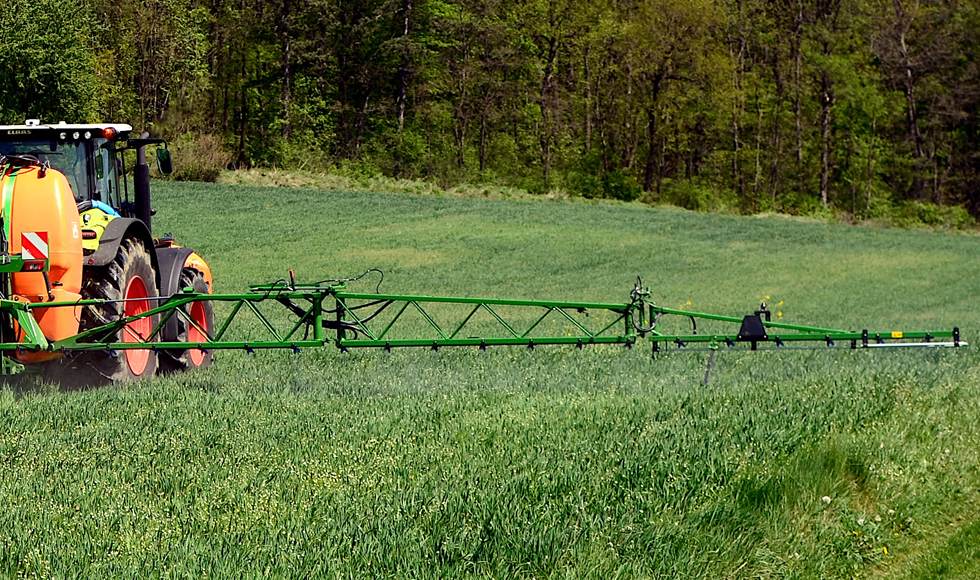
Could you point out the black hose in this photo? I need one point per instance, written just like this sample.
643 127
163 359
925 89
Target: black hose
377 289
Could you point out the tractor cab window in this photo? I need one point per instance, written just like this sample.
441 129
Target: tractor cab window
67 157
106 174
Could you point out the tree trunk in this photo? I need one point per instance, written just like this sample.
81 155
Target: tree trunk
459 127
651 150
738 72
403 69
547 112
798 96
854 182
286 96
361 120
915 136
758 147
871 149
242 160
776 154
588 103
484 137
226 98
826 103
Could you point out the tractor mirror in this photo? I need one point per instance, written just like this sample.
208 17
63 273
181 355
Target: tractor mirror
164 162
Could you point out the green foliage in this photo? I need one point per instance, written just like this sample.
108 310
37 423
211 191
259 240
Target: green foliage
620 184
201 157
617 184
918 213
47 70
803 204
816 108
697 197
153 63
586 184
592 181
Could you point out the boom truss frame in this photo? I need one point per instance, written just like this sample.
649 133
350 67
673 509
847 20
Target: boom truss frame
324 314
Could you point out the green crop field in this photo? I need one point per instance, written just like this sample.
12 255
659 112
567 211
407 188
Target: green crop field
556 463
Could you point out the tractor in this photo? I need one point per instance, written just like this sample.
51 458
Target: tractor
82 236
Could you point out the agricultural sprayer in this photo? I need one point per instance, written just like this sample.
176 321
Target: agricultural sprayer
86 288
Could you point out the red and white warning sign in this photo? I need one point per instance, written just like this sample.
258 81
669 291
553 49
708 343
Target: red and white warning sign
34 245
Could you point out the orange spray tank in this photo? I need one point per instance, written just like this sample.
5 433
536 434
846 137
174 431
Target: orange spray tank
42 201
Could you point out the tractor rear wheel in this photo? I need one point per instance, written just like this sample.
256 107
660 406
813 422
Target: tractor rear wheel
131 282
202 313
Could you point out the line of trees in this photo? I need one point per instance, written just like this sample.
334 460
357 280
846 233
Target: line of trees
791 105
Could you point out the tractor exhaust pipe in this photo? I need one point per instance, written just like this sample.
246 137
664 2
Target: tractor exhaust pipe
141 184
141 174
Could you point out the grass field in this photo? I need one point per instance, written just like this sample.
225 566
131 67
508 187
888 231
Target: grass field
598 463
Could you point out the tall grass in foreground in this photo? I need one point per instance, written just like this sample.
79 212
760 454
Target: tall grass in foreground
552 463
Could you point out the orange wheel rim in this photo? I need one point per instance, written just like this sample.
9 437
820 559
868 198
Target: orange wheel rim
137 302
200 317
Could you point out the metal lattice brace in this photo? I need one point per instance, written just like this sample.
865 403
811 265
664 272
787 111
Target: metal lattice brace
757 329
306 331
618 331
356 319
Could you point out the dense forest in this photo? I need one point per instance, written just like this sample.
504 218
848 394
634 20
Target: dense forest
801 106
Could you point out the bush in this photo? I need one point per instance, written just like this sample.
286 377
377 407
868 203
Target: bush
917 213
586 184
803 204
619 184
698 197
198 157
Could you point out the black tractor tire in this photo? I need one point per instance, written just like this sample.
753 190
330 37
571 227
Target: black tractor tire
203 314
130 275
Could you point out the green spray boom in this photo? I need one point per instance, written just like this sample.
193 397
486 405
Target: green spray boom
326 313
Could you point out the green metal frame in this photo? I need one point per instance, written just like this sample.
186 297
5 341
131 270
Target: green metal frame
791 333
618 331
312 322
325 314
10 264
